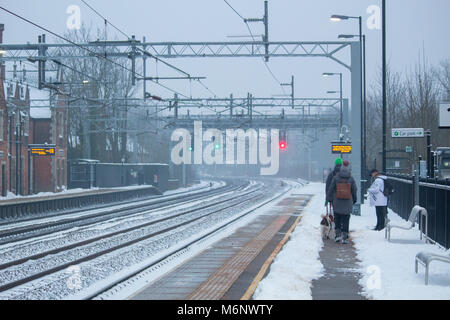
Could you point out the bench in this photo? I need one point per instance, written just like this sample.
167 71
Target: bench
425 258
415 212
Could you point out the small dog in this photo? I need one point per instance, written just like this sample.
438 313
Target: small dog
327 227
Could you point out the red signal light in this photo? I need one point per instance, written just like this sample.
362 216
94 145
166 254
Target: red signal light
283 145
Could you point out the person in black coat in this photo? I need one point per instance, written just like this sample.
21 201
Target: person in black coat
338 164
343 195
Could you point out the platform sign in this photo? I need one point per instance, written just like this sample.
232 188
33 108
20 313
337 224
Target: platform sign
408 133
444 116
341 148
44 150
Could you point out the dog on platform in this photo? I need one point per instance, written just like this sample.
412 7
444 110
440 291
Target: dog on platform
327 227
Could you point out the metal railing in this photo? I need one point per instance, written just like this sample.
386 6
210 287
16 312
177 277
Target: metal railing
433 195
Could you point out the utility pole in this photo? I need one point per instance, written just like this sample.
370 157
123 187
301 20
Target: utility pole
264 20
231 105
144 61
292 91
133 60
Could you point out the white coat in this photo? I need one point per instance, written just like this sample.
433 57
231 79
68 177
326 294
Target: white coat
377 197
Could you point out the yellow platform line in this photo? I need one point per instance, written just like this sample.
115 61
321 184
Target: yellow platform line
252 288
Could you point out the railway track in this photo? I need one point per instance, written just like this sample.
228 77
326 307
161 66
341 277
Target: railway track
168 226
89 217
4 223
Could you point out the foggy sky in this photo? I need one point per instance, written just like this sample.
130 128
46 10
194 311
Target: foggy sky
412 25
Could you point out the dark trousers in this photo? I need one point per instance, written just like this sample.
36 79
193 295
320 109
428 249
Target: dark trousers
341 222
381 216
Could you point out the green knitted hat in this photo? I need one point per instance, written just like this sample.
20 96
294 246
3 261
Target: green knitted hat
338 162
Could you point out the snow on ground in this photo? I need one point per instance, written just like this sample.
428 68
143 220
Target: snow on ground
12 196
387 268
298 263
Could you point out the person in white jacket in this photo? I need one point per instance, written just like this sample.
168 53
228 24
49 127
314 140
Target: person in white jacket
378 199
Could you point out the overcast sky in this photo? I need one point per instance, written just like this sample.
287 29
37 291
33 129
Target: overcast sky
413 26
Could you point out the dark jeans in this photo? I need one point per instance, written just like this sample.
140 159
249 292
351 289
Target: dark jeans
341 222
381 216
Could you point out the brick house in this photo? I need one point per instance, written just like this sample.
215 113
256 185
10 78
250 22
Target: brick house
49 126
24 122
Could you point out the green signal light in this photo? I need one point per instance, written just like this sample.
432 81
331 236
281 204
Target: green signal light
217 146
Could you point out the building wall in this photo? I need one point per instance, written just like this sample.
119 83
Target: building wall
3 143
42 166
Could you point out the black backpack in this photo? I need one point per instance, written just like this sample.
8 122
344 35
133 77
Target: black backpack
388 189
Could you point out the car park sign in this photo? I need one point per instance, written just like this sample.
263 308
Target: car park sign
444 115
408 133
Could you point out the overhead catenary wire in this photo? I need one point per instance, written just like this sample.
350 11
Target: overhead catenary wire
85 48
139 49
253 38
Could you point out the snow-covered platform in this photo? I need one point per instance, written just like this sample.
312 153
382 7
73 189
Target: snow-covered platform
231 268
370 267
18 207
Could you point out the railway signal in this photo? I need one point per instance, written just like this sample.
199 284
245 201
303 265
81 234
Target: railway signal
283 140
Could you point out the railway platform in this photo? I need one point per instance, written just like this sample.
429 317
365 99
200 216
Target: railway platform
231 268
23 207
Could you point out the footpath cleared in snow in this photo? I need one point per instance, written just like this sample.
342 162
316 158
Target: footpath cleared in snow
387 268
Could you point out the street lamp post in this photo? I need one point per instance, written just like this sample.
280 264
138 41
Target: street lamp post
337 18
363 114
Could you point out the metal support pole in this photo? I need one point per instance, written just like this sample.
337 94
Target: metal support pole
144 61
293 93
231 106
133 61
29 172
364 150
17 159
176 106
341 95
429 158
356 108
384 87
362 109
416 185
266 26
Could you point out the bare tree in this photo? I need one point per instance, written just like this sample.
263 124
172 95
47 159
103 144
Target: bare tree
98 88
413 100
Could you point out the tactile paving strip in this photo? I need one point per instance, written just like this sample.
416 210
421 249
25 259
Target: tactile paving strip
211 274
219 283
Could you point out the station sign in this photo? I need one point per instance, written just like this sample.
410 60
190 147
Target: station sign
408 133
341 148
42 150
